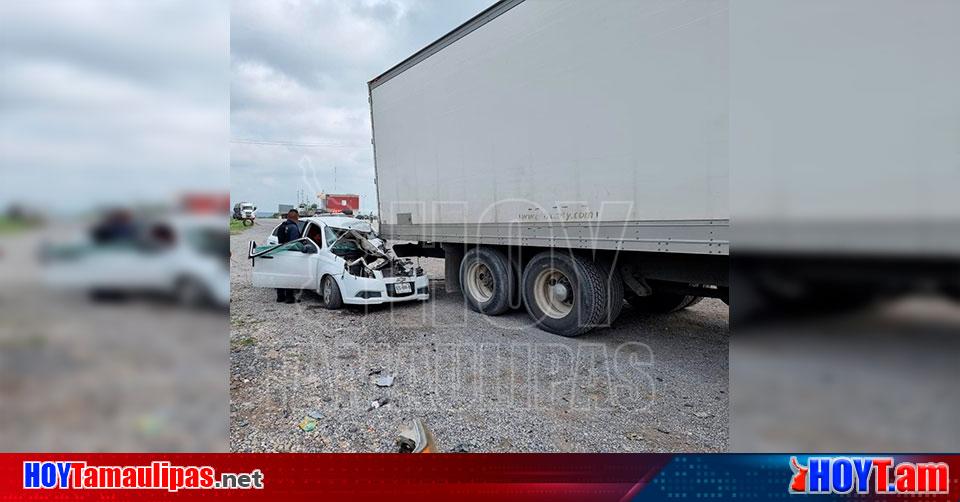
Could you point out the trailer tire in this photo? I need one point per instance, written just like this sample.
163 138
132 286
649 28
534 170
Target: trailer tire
487 280
330 293
663 303
568 295
617 294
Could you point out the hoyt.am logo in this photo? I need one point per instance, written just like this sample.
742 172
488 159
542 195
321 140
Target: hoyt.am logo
879 475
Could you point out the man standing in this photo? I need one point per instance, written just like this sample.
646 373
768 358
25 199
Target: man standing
289 231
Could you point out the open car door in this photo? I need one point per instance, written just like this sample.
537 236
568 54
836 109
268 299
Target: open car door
292 265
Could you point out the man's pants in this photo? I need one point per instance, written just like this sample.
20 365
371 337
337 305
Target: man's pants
285 295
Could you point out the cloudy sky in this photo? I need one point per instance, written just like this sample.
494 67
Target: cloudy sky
299 111
112 101
118 101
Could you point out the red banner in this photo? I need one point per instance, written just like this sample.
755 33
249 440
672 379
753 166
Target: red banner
503 477
500 477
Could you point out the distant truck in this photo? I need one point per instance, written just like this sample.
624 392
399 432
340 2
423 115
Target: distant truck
563 157
245 211
305 209
337 203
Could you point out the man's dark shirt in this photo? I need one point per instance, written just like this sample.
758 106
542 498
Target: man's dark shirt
289 231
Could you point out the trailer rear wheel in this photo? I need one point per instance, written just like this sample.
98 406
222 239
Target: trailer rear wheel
570 295
487 280
663 303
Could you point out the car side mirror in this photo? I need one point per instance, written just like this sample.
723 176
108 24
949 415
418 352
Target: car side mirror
309 249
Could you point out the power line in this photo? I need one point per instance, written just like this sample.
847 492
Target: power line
264 142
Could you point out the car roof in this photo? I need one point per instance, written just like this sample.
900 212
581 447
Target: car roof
342 222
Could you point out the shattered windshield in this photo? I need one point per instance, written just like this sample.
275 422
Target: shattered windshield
346 245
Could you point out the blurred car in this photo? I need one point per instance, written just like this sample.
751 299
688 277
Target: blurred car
185 257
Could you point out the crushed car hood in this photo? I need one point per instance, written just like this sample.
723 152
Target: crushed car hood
346 223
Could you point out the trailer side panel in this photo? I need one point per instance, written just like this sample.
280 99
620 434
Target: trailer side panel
555 119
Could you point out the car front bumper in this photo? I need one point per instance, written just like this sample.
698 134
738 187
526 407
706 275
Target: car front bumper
366 291
388 299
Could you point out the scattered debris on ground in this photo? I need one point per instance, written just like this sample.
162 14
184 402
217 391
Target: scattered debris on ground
385 381
308 424
464 448
416 438
378 403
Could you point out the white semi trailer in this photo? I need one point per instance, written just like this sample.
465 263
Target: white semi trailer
564 156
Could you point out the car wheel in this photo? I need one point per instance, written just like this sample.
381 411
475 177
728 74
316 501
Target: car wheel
570 295
190 292
487 280
330 293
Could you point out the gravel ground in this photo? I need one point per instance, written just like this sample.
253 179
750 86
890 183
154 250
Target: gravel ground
649 383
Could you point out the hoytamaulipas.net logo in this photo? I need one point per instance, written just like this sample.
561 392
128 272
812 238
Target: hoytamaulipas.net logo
878 475
159 475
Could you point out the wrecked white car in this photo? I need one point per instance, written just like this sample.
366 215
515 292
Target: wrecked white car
340 258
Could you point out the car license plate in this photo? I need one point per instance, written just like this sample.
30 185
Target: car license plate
403 288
